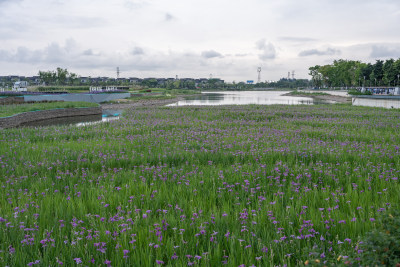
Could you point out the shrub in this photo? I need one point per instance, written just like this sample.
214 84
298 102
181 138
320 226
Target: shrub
382 245
355 92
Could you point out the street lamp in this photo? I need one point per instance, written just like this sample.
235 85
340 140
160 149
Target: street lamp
364 80
375 82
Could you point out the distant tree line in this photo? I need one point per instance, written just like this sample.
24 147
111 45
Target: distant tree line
285 83
62 77
350 73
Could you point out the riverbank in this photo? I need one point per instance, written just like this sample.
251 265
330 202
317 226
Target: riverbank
24 118
321 96
143 102
11 110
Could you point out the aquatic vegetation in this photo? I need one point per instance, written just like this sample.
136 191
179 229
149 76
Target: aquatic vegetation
234 185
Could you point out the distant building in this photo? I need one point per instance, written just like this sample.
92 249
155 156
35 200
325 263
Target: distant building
20 86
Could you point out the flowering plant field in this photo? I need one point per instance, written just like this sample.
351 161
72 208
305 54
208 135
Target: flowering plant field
235 185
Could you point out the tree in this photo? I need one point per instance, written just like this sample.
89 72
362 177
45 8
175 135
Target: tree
316 76
389 72
377 73
47 77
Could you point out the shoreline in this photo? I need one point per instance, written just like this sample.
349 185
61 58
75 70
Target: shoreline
40 115
142 103
336 98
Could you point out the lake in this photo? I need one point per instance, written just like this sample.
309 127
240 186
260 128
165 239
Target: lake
245 98
205 98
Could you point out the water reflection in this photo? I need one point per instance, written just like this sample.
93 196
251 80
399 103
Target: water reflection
244 98
107 116
63 121
103 119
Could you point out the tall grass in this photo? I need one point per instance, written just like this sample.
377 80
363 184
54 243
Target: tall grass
262 185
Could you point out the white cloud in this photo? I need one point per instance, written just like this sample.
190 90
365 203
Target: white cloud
139 35
268 50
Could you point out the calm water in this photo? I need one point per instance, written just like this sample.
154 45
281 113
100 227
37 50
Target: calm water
244 98
108 115
206 98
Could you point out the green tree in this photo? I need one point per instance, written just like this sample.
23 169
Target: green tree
377 72
62 75
316 75
47 77
389 72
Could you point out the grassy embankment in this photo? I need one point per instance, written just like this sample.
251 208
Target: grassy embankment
262 185
301 93
158 94
10 110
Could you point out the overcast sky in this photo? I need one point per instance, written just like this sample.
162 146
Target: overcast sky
227 39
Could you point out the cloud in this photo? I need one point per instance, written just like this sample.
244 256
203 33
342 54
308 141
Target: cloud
90 53
210 54
9 1
169 17
316 52
71 21
296 39
268 50
137 51
379 51
152 63
135 4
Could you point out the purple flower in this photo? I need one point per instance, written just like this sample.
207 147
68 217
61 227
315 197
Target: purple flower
78 260
107 262
159 262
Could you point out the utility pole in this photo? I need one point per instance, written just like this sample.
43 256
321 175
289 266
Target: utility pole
259 74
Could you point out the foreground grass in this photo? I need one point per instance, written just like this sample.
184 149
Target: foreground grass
10 110
262 185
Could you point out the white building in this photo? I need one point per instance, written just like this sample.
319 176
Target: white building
20 86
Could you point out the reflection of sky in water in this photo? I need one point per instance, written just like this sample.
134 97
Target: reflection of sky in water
244 98
104 119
